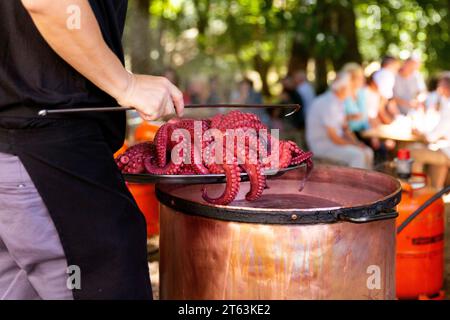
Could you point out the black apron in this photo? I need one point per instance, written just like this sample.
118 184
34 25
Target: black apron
70 159
100 226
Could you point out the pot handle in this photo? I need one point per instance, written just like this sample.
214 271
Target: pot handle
384 215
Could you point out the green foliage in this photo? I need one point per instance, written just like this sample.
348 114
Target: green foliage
398 27
243 35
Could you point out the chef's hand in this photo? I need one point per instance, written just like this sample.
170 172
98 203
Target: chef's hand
153 97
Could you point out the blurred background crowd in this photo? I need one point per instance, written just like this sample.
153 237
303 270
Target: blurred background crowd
370 75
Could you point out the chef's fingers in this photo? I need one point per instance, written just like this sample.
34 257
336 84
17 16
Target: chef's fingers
147 117
169 108
164 105
177 98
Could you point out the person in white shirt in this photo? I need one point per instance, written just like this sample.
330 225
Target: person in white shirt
409 89
304 89
373 101
327 132
437 155
439 97
376 109
385 77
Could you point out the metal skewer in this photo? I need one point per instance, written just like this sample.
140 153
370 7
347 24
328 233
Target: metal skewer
295 107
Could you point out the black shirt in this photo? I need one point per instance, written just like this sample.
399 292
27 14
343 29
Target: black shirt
33 76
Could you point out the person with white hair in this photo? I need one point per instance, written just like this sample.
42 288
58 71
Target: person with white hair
327 131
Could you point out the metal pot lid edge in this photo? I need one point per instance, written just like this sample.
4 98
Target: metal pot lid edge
282 216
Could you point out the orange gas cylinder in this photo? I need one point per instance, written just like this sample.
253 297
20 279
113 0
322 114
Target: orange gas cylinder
145 197
145 132
144 194
420 244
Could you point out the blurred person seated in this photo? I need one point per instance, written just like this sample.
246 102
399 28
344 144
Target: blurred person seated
197 91
385 81
214 94
436 154
246 94
276 120
290 95
327 132
355 104
385 77
409 89
377 115
357 109
305 89
439 96
376 108
375 112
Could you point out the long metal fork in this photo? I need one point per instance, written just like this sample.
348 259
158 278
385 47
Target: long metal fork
295 108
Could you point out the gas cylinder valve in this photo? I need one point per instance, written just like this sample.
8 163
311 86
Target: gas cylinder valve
403 164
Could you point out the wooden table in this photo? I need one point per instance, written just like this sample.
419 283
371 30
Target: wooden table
389 132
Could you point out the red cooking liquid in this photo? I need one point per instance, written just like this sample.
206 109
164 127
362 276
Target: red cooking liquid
288 201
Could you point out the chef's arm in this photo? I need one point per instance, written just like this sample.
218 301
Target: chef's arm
84 48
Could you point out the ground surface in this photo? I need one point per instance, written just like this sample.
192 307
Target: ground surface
154 259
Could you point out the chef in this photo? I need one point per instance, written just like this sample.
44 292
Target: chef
69 228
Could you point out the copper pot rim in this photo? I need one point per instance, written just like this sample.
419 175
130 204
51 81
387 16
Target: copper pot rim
370 211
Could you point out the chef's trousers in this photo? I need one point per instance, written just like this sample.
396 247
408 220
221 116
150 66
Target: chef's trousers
32 260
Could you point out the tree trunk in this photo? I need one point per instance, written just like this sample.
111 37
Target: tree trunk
202 9
140 36
346 28
262 67
299 55
324 14
321 74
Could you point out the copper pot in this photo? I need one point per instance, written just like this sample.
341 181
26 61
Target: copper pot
333 240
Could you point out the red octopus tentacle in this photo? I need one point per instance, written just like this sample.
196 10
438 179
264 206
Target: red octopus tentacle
257 181
253 167
153 158
305 156
232 173
131 161
215 169
199 167
169 169
161 142
285 155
